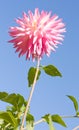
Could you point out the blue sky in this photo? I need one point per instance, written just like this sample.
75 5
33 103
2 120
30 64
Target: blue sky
50 93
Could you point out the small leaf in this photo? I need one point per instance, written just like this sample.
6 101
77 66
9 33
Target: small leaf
31 76
29 118
9 118
56 118
51 70
46 118
73 99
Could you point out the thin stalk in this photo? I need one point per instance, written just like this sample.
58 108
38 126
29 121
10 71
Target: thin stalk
76 128
39 121
69 116
31 94
43 120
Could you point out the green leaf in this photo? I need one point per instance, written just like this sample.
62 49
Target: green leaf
75 103
9 118
31 76
46 118
30 118
51 70
55 118
15 99
20 100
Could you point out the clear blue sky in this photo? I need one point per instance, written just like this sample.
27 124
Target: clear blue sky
50 93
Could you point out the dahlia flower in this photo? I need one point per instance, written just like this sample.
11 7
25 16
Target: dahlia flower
37 34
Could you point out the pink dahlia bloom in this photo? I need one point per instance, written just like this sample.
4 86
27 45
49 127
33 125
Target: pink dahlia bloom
37 34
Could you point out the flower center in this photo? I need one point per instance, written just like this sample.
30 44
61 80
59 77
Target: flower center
34 25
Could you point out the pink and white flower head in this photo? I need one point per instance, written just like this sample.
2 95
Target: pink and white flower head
37 34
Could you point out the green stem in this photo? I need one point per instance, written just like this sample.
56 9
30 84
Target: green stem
7 125
51 127
31 94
